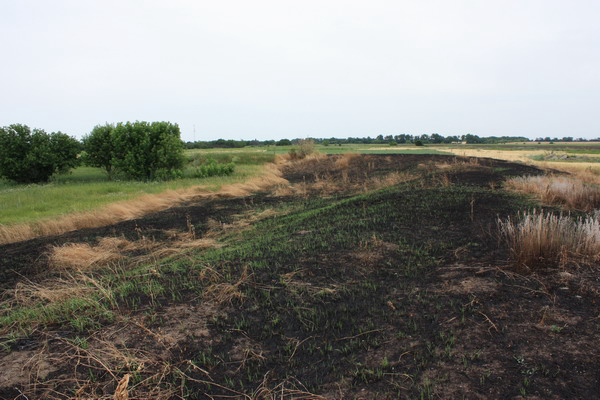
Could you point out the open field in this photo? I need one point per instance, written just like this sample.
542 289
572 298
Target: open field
89 189
354 276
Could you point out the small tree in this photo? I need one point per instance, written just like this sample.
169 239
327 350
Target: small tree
148 151
28 156
99 148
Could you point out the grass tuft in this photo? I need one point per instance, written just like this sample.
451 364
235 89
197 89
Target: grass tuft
538 239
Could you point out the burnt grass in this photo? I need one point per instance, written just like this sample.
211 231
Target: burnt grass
403 292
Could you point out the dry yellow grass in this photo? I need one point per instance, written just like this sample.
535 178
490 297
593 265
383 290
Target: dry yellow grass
204 243
537 239
108 250
226 292
50 291
80 256
524 156
391 179
566 191
508 155
344 160
586 172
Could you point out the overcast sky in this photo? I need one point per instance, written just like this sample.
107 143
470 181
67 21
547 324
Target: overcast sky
274 69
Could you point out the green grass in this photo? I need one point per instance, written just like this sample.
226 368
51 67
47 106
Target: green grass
574 148
88 188
236 156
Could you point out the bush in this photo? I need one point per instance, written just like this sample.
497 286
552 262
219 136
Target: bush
99 148
418 143
303 148
28 156
212 168
147 151
238 158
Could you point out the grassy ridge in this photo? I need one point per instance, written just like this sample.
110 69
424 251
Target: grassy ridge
303 277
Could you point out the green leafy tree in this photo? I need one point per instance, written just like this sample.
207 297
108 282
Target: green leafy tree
284 142
472 139
28 156
99 148
148 151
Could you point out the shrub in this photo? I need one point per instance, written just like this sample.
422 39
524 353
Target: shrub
28 156
239 158
536 239
418 143
99 148
212 168
303 148
147 151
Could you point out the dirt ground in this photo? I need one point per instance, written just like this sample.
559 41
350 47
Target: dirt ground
377 276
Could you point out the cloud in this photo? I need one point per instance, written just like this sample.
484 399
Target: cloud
271 69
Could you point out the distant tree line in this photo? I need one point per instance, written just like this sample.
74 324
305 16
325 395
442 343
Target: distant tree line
433 138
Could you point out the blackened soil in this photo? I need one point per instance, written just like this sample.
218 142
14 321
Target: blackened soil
400 293
29 258
373 165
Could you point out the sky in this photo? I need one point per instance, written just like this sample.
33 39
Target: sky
292 69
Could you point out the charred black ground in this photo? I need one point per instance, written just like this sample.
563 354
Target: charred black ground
402 292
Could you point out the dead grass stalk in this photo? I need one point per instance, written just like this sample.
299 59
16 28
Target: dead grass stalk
558 190
538 239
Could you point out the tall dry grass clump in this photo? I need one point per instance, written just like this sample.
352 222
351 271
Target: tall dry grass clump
561 190
344 161
537 239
